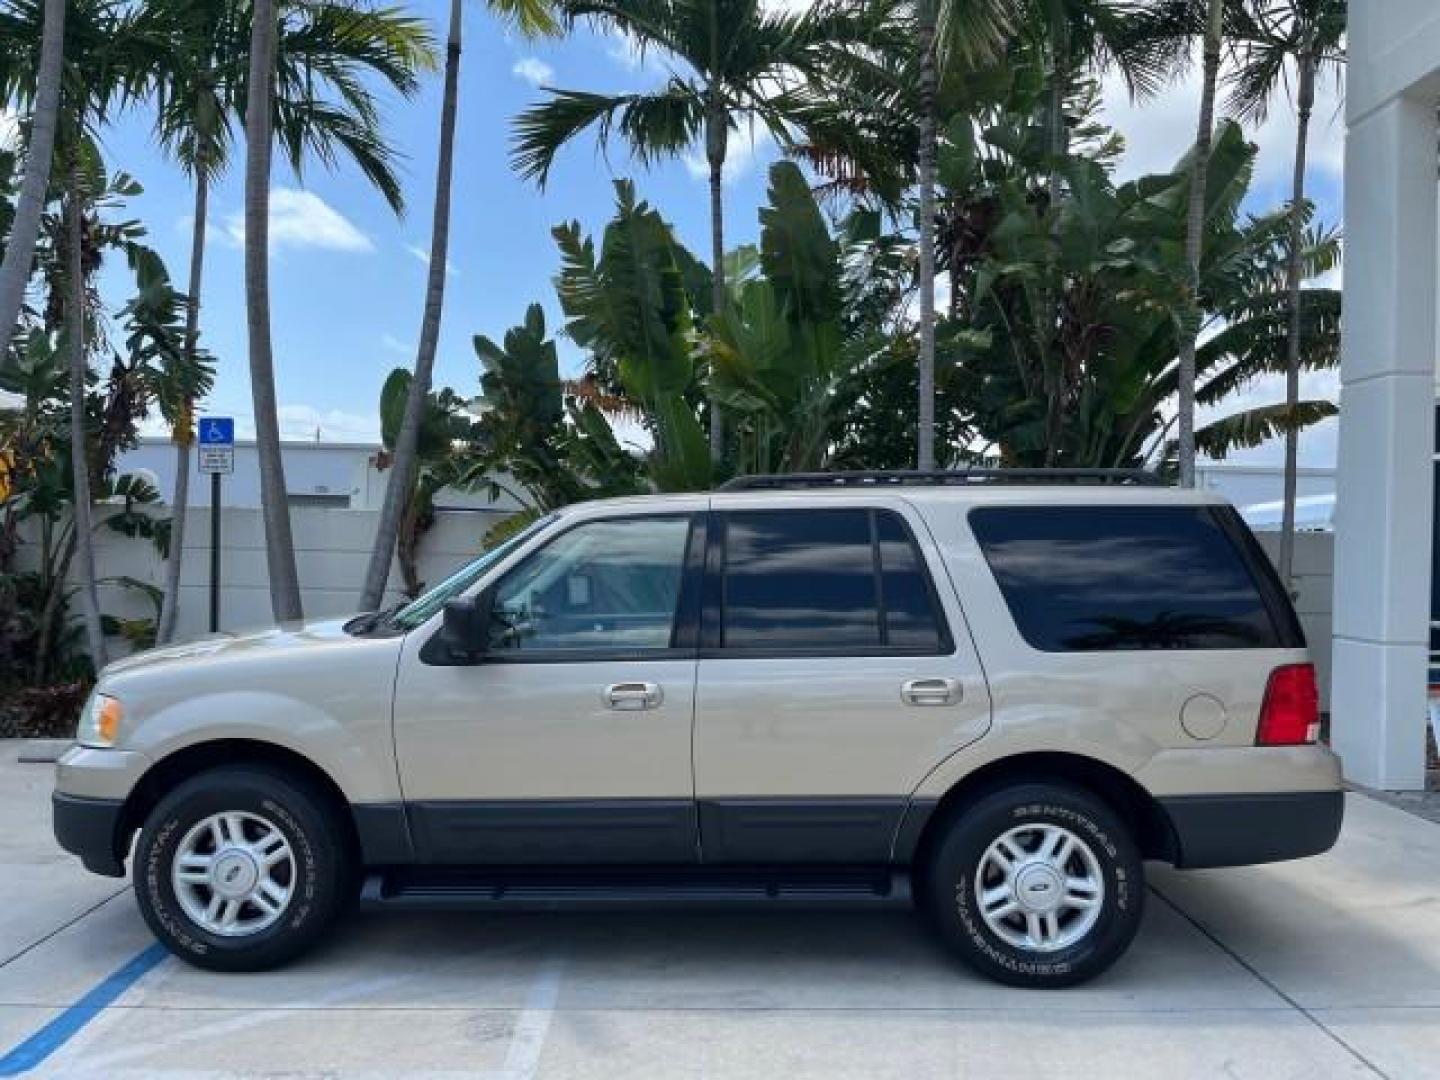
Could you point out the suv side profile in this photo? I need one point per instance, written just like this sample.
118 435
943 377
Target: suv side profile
989 694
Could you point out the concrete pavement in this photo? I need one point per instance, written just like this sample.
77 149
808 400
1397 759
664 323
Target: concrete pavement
1329 967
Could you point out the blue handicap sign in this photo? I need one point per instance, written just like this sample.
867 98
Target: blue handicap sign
217 431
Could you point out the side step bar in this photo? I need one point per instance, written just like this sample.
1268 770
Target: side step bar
587 888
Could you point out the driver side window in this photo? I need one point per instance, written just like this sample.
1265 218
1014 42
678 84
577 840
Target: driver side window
605 585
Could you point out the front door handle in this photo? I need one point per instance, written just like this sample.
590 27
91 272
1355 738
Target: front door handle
930 692
629 696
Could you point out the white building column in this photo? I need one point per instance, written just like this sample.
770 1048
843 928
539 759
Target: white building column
1383 517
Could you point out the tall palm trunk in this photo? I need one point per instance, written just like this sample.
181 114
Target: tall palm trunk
1058 146
184 434
79 445
1194 238
1305 104
279 546
717 137
925 422
400 490
15 269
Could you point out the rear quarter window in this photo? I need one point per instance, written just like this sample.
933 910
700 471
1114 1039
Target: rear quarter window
1113 578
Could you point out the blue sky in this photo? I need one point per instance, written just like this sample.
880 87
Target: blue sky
348 277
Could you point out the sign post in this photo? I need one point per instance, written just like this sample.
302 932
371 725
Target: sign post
216 450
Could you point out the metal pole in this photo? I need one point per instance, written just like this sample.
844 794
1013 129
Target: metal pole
214 552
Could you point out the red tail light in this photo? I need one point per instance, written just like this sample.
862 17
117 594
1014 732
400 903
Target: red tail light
1290 715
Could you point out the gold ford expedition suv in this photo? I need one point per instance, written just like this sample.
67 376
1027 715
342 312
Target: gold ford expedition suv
989 694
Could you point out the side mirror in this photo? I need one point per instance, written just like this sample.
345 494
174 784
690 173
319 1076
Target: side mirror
466 629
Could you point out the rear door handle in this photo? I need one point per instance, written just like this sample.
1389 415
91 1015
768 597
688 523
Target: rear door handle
632 696
930 692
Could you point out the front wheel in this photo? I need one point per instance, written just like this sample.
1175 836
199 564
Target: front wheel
1038 884
241 868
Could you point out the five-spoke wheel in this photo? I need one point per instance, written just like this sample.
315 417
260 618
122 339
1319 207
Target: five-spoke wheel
234 873
1038 884
241 868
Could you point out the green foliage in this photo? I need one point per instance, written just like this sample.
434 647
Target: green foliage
141 346
1093 389
628 306
779 349
557 449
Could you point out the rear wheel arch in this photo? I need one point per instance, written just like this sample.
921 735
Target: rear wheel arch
1151 828
177 767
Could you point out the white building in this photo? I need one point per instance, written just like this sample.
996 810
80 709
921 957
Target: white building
1384 520
325 474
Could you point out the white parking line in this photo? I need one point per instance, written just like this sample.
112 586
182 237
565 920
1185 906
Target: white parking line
527 1041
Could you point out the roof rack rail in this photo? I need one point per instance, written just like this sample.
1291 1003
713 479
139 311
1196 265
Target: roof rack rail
942 478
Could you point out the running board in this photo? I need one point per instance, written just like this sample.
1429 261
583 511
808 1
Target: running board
531 889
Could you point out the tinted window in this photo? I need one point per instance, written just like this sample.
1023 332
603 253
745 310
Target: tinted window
610 585
912 620
1089 578
824 581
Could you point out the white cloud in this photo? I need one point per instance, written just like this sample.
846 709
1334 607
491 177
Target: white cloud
423 257
395 345
533 70
1159 130
301 219
327 425
625 50
744 151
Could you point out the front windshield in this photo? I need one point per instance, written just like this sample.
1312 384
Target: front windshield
421 608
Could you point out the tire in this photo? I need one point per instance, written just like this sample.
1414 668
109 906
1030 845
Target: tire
228 816
1007 854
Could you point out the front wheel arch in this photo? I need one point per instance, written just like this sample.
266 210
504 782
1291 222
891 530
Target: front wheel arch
175 768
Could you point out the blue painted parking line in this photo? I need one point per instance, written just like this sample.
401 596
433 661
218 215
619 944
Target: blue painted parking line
39 1046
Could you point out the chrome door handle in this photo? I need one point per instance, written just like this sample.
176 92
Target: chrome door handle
930 692
629 696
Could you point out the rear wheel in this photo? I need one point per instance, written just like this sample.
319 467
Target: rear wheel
241 868
1038 884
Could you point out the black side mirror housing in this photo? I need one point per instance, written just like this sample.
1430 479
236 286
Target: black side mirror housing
466 627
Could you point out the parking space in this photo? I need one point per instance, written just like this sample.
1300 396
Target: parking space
1326 967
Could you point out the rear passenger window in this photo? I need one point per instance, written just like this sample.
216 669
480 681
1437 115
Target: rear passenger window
825 581
1101 578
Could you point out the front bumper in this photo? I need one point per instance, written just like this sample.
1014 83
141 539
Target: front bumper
1239 830
91 787
90 828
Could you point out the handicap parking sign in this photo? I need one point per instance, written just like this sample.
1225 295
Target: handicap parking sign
217 431
217 444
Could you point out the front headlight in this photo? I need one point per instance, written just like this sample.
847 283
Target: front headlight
100 722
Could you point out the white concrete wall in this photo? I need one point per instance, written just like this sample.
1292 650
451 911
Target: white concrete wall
332 548
314 470
1384 509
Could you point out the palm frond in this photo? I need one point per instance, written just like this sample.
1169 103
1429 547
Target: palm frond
653 125
1248 429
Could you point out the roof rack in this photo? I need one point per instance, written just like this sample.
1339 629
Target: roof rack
942 478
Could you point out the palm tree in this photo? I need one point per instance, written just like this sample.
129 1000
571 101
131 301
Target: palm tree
15 270
321 45
107 61
279 545
1310 35
532 17
972 29
1169 29
1080 36
75 319
736 63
